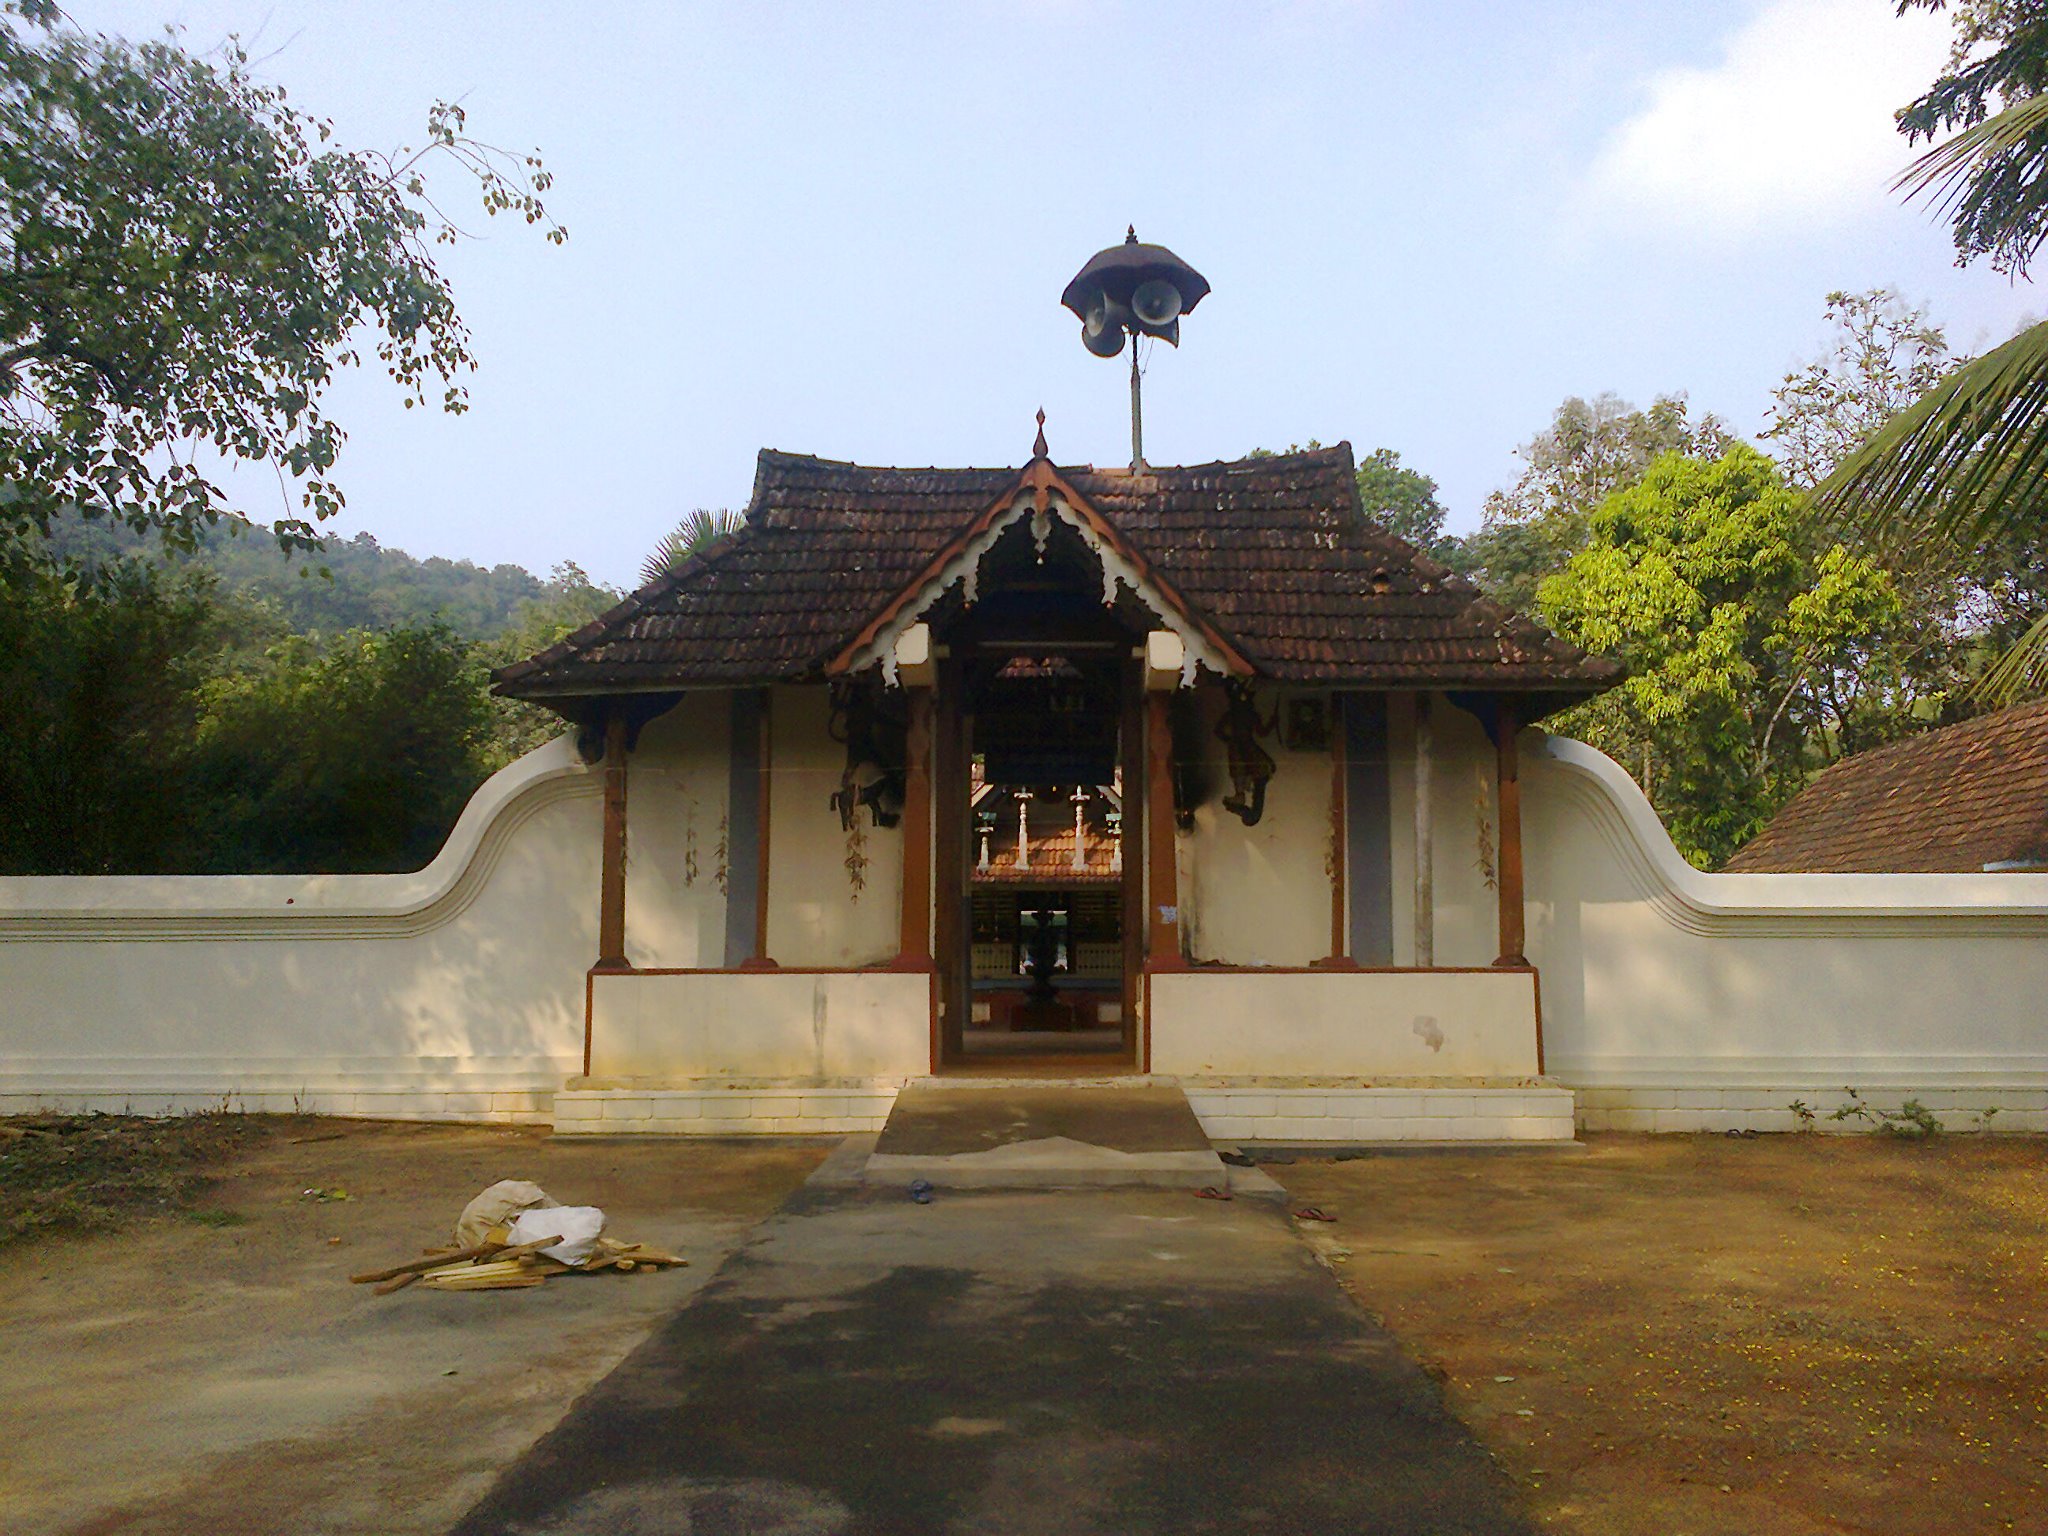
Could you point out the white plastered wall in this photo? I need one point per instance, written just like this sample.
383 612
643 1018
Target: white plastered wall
1672 999
1677 1000
1464 833
788 1026
677 782
1345 1027
453 991
1260 895
815 916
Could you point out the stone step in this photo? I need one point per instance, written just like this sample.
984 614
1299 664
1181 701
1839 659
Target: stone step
1036 1135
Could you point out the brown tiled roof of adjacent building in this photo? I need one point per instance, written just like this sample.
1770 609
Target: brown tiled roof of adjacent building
1274 553
1052 861
1956 799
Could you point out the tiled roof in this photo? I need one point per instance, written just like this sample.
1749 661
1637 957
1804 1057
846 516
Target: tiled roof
1274 553
1954 799
1052 860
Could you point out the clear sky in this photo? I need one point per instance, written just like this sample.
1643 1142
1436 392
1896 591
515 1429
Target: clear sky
843 229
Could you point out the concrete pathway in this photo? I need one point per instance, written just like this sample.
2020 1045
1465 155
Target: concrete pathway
1121 1362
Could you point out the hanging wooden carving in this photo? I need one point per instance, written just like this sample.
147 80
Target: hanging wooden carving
1251 766
877 750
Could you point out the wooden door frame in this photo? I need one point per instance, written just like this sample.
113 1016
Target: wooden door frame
952 879
952 918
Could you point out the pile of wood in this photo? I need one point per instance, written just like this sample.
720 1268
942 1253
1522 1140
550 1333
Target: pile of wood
494 1265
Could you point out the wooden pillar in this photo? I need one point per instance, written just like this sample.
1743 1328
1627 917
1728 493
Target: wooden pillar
611 898
1340 842
759 960
1425 849
1512 938
952 766
743 828
1131 846
914 948
1163 903
1369 829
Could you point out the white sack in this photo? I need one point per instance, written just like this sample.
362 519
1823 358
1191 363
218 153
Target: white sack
496 1207
578 1227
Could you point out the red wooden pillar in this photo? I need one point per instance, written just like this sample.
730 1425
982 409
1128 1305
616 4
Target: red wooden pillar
914 948
611 899
1163 907
1512 938
1339 957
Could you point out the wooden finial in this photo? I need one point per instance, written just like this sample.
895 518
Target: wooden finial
1038 448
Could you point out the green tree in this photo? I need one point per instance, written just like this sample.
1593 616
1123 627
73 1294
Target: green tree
185 260
570 601
102 694
1590 450
1401 500
1965 462
1989 176
1702 577
352 757
1883 355
1959 606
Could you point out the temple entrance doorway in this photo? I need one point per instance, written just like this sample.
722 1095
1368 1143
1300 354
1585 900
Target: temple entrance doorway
1046 962
1039 875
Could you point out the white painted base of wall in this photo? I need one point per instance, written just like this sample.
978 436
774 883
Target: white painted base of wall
516 1090
1752 1108
1522 1110
1246 1109
723 1107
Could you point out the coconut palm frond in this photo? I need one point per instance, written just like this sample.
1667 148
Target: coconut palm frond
2021 672
1966 459
1991 181
698 528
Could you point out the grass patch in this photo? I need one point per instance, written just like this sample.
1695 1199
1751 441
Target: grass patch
97 1173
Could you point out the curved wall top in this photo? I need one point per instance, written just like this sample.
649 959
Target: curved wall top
1602 791
275 906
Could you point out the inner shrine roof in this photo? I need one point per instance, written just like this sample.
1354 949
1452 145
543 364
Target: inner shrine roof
1274 554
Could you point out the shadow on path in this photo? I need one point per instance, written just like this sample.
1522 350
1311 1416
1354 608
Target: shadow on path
1124 1362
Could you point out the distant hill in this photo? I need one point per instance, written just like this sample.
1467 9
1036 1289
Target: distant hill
351 583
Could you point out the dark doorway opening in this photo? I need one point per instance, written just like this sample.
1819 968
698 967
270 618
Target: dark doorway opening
1037 876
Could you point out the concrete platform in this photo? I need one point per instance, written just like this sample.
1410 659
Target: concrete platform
990 1134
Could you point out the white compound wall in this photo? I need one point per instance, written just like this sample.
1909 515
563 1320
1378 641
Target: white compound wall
1671 999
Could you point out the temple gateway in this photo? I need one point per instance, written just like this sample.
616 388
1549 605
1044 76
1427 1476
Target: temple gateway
1191 771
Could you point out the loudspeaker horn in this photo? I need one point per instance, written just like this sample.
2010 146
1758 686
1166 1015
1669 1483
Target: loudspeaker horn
1105 343
1102 329
1156 303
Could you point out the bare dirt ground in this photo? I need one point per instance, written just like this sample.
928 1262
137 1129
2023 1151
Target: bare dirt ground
1693 1334
212 1370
